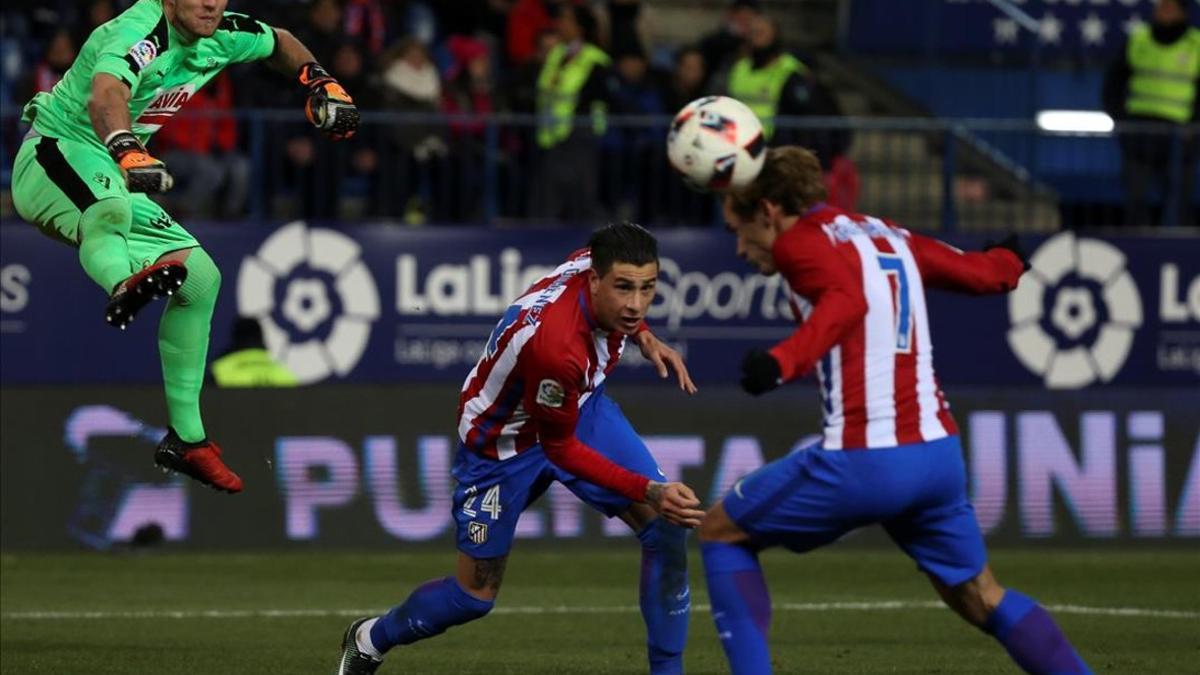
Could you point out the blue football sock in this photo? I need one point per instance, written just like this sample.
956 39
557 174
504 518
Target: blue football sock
741 606
1032 638
429 611
664 595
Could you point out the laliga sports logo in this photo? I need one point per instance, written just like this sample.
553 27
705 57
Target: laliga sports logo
1074 313
313 297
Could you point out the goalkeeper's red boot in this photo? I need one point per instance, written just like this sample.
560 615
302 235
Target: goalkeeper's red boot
201 461
139 290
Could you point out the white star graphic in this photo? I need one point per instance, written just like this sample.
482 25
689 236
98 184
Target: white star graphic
1132 24
1050 30
1092 29
1004 31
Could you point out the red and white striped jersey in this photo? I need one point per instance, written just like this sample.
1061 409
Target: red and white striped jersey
857 285
544 358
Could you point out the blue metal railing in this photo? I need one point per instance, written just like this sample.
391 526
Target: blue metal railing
926 173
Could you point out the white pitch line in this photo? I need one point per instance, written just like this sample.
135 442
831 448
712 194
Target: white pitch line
559 609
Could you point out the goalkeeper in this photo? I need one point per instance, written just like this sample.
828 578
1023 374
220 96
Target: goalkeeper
83 173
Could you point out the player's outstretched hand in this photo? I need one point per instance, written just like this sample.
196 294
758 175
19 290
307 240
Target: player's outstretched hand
665 359
676 502
328 107
760 372
142 172
1011 243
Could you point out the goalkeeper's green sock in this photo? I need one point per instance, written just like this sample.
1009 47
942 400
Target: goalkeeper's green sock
103 249
183 343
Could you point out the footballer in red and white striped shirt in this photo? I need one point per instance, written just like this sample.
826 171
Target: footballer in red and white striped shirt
890 453
533 411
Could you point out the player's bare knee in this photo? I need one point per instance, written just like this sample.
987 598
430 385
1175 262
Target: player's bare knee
718 527
638 516
973 600
481 577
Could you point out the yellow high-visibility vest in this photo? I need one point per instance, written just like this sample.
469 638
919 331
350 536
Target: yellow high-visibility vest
761 88
1163 83
251 368
558 87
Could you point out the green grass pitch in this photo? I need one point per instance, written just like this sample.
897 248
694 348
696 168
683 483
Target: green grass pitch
568 611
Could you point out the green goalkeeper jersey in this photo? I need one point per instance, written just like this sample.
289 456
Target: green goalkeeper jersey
142 49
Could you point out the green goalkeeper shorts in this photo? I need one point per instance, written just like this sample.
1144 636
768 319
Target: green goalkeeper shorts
54 181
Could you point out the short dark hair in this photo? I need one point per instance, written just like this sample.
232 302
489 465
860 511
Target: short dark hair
587 22
622 243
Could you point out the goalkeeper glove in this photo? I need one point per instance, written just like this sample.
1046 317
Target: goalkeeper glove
142 172
1011 243
328 107
760 372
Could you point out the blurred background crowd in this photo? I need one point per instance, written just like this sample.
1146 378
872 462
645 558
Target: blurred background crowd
556 111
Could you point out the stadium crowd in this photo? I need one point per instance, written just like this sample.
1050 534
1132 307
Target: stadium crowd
445 66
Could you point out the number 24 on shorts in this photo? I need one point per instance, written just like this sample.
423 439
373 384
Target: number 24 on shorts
490 504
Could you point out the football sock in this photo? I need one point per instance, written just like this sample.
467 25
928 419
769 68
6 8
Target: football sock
103 249
362 638
429 611
664 595
1032 638
183 343
741 607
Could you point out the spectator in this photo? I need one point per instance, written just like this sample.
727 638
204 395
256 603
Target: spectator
99 12
358 161
623 36
366 21
681 204
469 84
311 167
1155 81
522 89
524 78
776 84
323 34
687 80
573 82
470 89
636 149
60 54
201 147
721 47
527 20
411 84
324 173
481 18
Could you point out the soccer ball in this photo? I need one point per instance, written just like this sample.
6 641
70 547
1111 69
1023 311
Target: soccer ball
716 143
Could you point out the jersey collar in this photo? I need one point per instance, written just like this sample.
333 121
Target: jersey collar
589 314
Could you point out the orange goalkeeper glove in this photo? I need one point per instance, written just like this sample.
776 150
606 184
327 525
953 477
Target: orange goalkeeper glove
143 173
328 107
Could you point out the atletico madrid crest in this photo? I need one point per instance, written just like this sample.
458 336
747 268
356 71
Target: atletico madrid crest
477 532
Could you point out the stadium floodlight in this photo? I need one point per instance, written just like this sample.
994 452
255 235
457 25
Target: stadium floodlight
1083 121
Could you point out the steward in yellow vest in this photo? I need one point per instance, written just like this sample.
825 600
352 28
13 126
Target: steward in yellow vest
774 83
573 82
247 363
1156 79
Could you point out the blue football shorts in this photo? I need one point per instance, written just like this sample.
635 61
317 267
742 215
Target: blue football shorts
917 492
491 494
